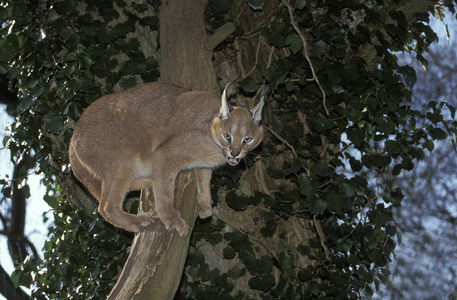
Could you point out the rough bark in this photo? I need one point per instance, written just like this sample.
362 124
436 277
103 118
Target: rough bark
154 267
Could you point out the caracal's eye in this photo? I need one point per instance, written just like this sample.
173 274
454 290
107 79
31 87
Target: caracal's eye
247 140
227 136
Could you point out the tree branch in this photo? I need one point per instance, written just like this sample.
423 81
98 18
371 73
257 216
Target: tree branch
220 35
7 288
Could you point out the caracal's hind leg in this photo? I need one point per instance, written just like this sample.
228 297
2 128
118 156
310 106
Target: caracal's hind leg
93 184
110 206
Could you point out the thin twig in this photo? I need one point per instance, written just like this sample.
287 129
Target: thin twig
317 224
256 57
283 140
256 240
306 51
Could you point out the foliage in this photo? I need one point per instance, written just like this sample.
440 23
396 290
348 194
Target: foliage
59 63
82 257
323 159
321 230
424 265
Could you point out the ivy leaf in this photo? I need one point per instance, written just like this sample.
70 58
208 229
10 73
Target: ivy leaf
141 7
355 164
276 74
317 206
304 184
437 133
295 43
228 253
380 161
54 124
318 49
7 50
264 283
248 85
305 274
235 202
392 147
409 75
128 82
3 68
356 135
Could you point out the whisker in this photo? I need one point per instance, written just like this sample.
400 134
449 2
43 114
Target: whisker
250 164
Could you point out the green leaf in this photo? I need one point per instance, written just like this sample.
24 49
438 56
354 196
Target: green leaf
429 145
128 82
318 49
386 127
54 124
380 161
304 184
356 135
392 147
150 20
235 202
248 85
435 117
295 43
264 283
317 206
276 74
16 278
437 133
228 253
409 75
397 196
305 274
451 109
7 50
349 189
355 164
141 7
3 68
422 61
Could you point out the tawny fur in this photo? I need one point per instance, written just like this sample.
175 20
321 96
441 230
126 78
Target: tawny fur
143 137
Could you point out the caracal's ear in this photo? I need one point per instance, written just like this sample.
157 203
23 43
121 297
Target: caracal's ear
226 108
256 112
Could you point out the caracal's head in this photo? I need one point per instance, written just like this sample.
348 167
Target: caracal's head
237 130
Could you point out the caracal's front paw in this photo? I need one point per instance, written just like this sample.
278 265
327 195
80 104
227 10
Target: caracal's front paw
177 223
133 223
181 227
205 213
144 219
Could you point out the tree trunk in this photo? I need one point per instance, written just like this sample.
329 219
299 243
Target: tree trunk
155 265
